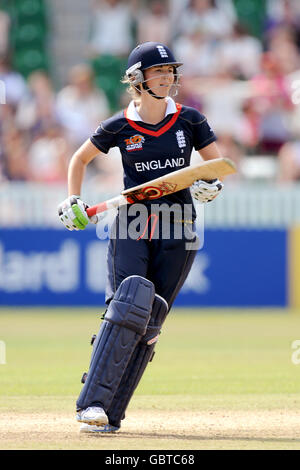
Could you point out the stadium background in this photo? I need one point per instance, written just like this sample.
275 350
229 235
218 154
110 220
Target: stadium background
61 63
223 377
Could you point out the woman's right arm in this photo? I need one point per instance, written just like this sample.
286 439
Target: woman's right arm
81 158
72 211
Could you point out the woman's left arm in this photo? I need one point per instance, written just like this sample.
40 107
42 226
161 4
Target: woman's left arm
210 152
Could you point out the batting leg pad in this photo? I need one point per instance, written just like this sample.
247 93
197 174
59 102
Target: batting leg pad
143 354
124 324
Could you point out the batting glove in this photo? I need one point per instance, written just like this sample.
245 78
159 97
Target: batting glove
72 213
206 191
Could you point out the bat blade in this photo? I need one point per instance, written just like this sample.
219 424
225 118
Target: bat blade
180 179
169 183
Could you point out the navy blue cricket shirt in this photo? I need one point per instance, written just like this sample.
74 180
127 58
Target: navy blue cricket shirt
149 151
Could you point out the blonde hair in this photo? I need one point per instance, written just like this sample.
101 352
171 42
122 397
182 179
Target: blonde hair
131 89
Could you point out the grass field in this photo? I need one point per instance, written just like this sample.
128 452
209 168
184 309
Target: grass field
220 379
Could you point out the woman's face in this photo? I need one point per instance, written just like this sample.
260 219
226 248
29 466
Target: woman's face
159 79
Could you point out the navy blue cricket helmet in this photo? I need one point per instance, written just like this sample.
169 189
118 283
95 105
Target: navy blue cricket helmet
148 55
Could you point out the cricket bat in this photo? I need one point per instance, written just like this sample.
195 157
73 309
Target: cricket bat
168 184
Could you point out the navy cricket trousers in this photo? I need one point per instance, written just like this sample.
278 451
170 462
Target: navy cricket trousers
164 261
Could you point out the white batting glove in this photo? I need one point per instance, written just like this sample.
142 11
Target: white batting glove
72 213
206 191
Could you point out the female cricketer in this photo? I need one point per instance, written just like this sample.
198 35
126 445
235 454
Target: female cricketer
155 136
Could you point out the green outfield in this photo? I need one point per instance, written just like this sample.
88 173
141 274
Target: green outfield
220 379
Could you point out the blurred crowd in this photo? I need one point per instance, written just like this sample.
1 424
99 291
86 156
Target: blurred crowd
248 85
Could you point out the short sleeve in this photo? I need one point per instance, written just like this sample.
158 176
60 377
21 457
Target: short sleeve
103 139
203 134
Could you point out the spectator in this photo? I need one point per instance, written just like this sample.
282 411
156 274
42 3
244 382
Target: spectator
284 13
289 162
7 118
15 146
111 28
15 85
188 95
154 24
196 52
36 109
273 103
4 32
227 76
106 172
80 105
232 149
2 172
48 156
281 42
3 175
216 21
240 54
223 99
250 127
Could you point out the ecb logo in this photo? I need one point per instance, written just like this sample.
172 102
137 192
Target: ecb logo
2 92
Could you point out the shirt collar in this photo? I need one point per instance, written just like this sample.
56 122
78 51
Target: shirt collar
133 115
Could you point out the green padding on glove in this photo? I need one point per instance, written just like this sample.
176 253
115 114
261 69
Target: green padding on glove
80 221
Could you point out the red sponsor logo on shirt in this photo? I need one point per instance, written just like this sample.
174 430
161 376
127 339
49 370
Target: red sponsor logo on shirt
134 143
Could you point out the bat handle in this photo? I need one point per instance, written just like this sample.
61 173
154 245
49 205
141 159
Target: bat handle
106 205
93 210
